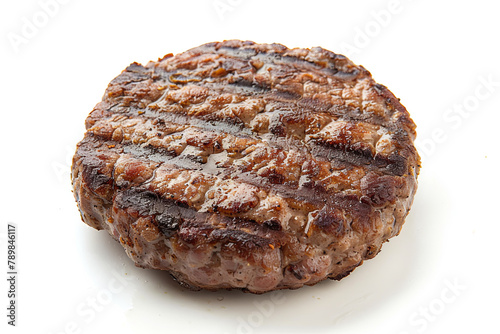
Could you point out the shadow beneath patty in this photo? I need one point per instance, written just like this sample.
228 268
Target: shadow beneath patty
153 299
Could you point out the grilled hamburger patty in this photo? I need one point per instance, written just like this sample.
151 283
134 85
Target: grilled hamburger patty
251 166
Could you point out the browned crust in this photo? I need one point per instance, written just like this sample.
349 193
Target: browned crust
293 161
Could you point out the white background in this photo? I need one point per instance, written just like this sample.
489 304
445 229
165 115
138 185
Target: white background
438 276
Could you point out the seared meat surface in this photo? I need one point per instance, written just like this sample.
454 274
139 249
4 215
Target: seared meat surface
250 166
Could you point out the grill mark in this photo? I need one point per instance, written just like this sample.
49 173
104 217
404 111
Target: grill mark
280 58
161 154
214 125
187 163
271 56
252 88
244 84
133 73
372 119
311 194
170 215
174 218
285 99
329 70
391 165
233 127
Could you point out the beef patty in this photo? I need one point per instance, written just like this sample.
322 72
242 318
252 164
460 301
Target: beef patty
250 166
